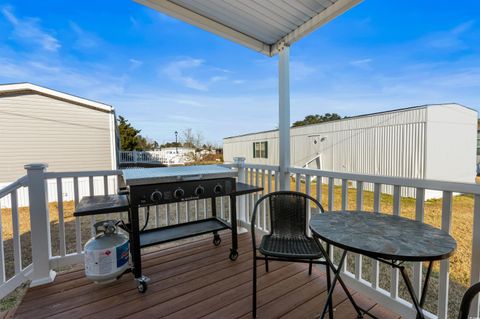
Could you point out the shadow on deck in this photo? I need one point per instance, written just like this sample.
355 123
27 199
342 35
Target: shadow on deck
193 280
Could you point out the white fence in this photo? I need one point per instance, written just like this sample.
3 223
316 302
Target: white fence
159 157
51 249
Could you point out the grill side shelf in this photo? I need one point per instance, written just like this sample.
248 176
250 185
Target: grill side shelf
175 232
101 204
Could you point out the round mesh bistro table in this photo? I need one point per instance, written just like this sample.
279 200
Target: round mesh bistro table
390 239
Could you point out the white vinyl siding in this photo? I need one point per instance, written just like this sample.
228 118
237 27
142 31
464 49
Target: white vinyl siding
66 136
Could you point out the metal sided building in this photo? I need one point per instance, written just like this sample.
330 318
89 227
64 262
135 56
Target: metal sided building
436 142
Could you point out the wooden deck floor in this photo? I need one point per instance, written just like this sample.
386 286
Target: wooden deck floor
194 280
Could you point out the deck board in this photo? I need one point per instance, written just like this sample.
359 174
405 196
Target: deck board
194 280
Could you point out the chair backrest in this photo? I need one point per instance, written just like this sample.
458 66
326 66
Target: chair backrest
467 301
288 212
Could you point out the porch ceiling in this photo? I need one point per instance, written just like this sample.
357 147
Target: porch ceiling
262 25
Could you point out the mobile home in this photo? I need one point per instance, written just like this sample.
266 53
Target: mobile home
427 142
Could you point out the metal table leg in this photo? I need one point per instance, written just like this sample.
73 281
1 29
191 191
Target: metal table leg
336 277
418 304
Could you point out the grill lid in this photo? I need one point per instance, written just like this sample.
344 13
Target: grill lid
157 175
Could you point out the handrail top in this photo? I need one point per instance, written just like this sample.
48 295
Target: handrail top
50 175
439 185
21 182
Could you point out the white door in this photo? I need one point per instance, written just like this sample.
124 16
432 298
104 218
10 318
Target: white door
316 146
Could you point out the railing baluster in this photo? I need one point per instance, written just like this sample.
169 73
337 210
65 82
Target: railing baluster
298 178
205 208
91 193
330 208
257 183
196 209
271 188
105 192
17 250
358 257
229 219
318 189
177 213
105 185
264 206
157 216
443 283
2 253
277 180
78 228
222 213
187 211
61 218
376 208
330 193
167 214
475 264
309 208
394 271
344 194
419 216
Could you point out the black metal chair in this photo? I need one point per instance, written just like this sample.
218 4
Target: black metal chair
288 239
467 301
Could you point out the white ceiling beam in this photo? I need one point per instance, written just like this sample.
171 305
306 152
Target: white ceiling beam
315 22
207 24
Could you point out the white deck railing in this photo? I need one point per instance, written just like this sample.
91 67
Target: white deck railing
13 271
64 246
303 180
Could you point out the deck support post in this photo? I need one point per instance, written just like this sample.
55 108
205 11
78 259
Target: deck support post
39 225
284 115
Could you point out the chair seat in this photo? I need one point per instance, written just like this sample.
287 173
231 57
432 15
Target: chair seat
290 247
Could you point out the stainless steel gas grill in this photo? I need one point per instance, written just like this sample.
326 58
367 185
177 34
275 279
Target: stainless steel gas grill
164 185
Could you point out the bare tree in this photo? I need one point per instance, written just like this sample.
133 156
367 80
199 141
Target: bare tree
192 139
188 138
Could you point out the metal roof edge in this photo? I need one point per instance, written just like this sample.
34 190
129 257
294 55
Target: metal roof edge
27 86
202 22
404 109
323 17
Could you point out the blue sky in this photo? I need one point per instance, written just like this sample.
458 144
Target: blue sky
164 75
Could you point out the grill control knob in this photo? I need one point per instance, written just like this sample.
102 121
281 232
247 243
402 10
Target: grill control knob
218 189
178 193
199 190
156 196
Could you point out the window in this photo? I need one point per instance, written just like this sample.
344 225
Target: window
260 150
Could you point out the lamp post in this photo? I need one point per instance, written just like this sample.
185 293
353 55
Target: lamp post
176 142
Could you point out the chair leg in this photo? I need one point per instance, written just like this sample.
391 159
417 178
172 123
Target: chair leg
254 295
310 267
266 263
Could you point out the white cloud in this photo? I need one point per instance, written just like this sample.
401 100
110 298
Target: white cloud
188 71
301 70
29 30
85 40
364 64
450 39
135 64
